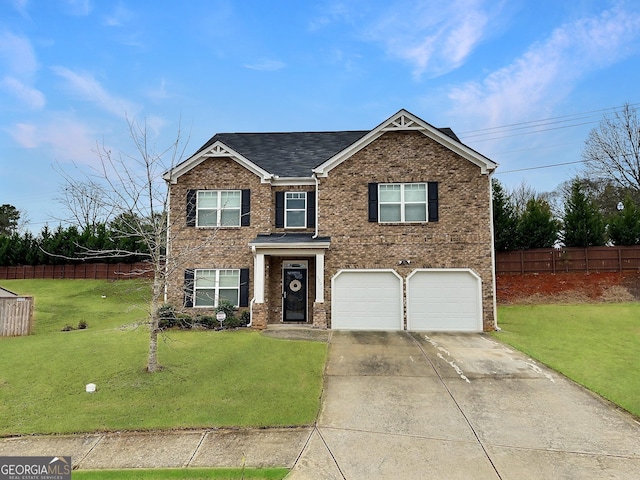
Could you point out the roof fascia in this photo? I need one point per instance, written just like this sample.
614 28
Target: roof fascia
292 181
216 150
405 121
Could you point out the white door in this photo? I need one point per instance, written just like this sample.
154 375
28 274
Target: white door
366 300
444 300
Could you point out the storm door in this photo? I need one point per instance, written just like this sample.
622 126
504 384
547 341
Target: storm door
294 296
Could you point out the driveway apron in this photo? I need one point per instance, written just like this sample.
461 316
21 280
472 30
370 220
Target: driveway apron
458 406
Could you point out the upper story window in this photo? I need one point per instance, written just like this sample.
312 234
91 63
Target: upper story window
403 202
295 209
218 208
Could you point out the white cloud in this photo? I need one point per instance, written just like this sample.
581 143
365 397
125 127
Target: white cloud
432 36
119 17
80 8
17 54
32 97
62 137
87 87
266 65
549 69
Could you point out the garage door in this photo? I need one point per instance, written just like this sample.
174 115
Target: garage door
366 300
444 300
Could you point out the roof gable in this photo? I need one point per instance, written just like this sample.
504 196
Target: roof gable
404 121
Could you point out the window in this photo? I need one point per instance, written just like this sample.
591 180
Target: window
402 202
218 208
210 287
295 208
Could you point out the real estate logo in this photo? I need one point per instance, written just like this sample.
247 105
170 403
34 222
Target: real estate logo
35 468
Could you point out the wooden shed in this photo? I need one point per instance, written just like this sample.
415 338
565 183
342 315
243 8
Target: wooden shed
16 314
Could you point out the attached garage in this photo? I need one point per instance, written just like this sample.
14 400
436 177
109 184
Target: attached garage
366 300
444 300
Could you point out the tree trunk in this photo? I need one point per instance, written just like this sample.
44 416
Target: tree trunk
154 328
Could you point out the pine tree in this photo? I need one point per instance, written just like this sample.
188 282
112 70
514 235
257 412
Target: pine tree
505 220
624 227
583 223
537 228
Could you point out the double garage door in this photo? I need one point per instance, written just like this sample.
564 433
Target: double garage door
436 300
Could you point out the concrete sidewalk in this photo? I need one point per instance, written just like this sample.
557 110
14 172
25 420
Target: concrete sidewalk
175 449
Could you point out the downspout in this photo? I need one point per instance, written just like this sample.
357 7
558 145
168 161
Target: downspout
493 255
168 243
315 177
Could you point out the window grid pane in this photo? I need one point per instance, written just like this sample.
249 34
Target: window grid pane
402 202
212 286
295 210
219 208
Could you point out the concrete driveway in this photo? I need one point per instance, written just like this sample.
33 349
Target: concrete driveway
458 406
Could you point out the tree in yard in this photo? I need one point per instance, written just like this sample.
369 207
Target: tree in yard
624 227
583 224
9 218
505 219
537 227
131 189
612 150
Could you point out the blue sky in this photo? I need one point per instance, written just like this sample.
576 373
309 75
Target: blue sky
73 71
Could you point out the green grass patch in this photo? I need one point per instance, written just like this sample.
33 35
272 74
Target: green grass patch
210 379
184 474
596 345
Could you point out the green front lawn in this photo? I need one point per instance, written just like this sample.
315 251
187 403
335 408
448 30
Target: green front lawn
184 474
211 379
596 345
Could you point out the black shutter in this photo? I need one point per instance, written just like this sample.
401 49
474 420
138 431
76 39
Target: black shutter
373 202
244 287
188 287
432 188
245 211
279 209
192 196
311 209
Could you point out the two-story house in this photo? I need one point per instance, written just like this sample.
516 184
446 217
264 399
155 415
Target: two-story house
382 229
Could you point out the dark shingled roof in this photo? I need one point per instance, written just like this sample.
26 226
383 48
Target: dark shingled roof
292 154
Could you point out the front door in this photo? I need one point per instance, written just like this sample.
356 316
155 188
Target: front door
294 302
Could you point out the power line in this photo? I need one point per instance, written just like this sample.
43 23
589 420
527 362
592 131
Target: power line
575 119
540 167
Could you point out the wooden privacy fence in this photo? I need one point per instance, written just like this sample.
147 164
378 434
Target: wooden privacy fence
97 271
16 316
555 260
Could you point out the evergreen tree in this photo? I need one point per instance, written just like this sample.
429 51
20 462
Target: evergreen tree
505 220
583 223
624 227
537 228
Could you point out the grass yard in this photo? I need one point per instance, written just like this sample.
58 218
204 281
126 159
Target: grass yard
596 345
211 379
184 474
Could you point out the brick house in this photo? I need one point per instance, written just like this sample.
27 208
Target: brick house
386 229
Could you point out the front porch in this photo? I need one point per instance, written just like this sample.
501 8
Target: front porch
289 280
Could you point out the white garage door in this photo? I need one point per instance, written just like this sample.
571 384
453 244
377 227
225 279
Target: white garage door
366 300
444 300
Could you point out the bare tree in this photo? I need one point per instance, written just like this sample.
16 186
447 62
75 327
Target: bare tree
612 150
84 200
131 189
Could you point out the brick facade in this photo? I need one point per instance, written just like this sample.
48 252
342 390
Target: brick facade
461 238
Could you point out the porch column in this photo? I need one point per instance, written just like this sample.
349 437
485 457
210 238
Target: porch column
319 277
258 277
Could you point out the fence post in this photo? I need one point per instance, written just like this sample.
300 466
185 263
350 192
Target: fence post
586 259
